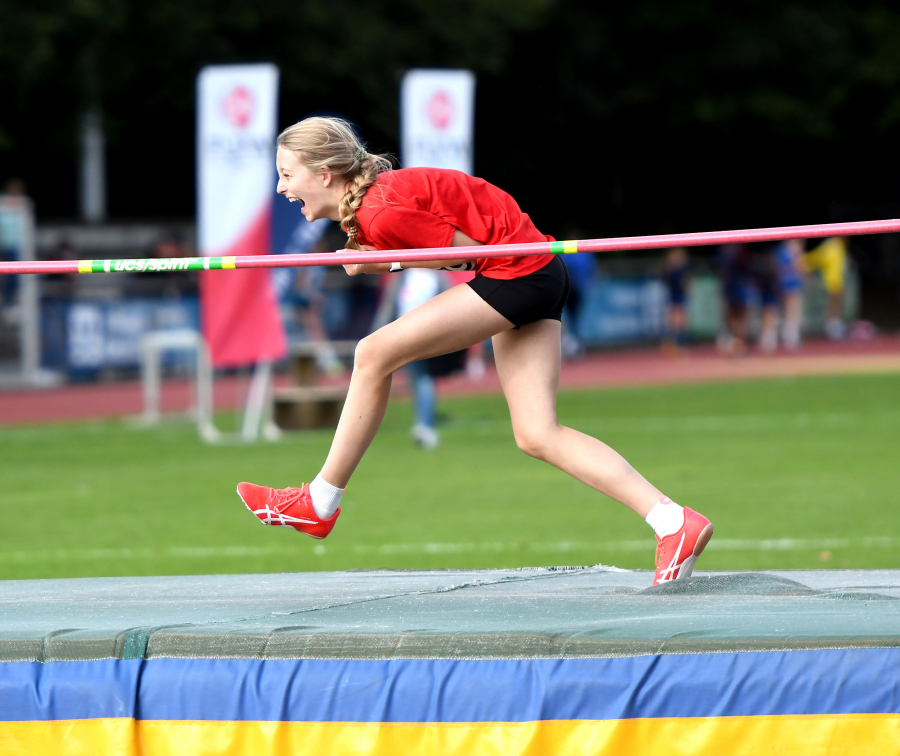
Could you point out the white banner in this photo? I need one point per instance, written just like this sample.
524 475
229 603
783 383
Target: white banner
437 119
236 123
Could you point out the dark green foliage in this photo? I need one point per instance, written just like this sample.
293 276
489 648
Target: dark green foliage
649 115
138 61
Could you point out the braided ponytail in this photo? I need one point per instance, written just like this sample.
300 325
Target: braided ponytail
331 143
353 199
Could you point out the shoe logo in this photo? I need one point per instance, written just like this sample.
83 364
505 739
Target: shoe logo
273 517
671 572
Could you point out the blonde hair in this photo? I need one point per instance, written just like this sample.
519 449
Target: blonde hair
332 143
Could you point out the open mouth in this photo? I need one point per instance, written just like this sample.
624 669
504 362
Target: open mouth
297 199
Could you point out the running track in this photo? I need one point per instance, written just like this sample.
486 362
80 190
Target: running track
614 368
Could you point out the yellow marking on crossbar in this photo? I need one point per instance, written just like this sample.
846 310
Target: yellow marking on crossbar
85 266
570 247
228 263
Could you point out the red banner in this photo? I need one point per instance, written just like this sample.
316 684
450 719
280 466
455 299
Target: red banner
236 127
239 310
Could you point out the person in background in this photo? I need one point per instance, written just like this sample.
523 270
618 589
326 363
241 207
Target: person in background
417 287
830 259
65 250
765 278
734 264
676 276
582 268
791 267
351 303
400 295
173 244
302 301
10 246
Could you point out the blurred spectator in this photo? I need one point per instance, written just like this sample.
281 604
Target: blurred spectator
734 264
402 294
14 187
582 268
476 366
791 267
62 251
173 244
10 244
300 296
765 277
830 259
307 302
676 276
350 301
418 285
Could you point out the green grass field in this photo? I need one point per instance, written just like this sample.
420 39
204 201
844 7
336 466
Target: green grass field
801 473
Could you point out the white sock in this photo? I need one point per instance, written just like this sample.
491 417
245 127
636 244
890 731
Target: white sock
325 497
666 517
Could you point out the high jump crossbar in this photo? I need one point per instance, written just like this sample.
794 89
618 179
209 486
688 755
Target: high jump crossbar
344 257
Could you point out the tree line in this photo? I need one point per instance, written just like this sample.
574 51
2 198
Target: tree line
600 118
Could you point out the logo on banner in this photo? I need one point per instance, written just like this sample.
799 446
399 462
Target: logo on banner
441 109
239 105
437 118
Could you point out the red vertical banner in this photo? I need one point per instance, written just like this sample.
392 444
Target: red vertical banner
239 309
236 108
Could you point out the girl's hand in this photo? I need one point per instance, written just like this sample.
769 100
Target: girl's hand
354 269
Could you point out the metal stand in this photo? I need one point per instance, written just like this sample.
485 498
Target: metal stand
258 410
257 421
153 344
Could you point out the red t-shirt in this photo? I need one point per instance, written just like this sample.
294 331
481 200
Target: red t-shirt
417 208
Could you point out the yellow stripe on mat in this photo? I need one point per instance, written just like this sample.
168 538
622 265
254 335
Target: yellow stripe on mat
847 734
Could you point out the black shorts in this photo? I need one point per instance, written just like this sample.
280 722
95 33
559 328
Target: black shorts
537 296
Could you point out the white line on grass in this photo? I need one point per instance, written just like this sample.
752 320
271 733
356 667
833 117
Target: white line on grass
738 423
721 544
399 549
184 552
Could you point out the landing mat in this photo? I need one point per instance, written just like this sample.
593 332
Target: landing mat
561 613
522 662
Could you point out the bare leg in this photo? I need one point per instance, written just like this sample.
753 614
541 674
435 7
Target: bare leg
453 320
677 321
768 337
835 304
793 315
528 364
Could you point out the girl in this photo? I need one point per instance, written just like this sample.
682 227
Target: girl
517 301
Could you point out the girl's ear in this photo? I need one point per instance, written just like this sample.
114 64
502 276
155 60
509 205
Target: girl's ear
327 176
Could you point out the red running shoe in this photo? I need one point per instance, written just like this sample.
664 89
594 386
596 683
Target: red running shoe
676 554
286 508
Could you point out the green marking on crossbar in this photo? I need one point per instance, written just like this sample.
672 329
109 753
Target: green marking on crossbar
153 265
563 247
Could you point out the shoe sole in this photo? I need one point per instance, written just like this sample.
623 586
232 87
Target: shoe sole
687 566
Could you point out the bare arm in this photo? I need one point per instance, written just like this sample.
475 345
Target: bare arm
459 240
